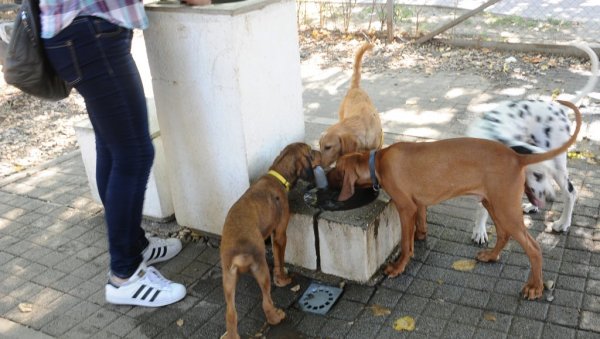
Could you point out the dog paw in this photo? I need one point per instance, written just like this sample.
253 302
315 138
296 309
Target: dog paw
487 256
282 280
480 238
530 208
275 316
420 235
226 335
395 269
532 291
559 227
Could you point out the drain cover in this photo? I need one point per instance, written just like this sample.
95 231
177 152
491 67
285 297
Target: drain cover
319 298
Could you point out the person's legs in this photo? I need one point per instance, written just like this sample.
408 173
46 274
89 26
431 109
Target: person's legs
100 66
94 56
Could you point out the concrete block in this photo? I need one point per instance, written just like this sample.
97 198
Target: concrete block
354 244
301 247
350 244
157 202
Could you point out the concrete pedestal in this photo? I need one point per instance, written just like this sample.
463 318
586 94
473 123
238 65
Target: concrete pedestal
351 244
228 93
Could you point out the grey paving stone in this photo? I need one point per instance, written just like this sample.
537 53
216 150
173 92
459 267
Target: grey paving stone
81 331
385 297
567 298
552 331
570 283
591 303
573 269
458 330
311 324
361 330
8 303
526 328
361 293
592 287
336 328
449 293
590 321
533 309
563 315
60 325
481 333
466 315
519 273
82 310
429 326
422 288
475 298
345 310
26 290
439 309
586 334
399 283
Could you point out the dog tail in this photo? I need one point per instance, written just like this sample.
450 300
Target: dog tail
594 69
242 263
539 157
357 64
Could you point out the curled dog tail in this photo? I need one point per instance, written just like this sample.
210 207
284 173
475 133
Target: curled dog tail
357 64
539 157
589 86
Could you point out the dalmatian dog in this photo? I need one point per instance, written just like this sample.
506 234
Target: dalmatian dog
534 126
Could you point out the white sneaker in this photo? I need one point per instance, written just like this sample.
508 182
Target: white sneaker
159 249
146 287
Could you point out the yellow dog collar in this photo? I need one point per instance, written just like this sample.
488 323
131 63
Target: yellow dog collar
281 179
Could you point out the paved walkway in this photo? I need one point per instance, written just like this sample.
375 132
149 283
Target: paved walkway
53 251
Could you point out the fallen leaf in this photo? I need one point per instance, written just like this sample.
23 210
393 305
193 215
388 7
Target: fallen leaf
180 322
379 310
295 288
489 316
464 265
405 324
440 282
25 307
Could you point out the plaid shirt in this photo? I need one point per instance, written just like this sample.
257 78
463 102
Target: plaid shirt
58 14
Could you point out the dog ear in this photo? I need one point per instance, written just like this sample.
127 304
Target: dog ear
350 178
348 144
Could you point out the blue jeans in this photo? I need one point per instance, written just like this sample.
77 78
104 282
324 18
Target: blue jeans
95 57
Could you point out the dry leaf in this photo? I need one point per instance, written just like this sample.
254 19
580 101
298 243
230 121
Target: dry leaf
440 282
489 316
25 307
464 265
180 322
295 288
405 324
379 310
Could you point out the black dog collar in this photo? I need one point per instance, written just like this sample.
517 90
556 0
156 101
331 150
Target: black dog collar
372 170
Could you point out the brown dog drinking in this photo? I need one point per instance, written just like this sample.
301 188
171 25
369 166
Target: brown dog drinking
417 175
262 211
359 126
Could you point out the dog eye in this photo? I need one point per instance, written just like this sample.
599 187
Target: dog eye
327 148
538 176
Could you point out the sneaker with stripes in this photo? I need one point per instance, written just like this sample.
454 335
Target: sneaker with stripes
146 287
159 249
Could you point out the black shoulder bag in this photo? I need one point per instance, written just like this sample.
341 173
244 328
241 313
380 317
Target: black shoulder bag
26 66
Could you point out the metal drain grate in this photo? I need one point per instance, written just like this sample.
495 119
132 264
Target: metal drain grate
319 298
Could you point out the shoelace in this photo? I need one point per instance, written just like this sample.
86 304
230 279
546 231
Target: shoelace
155 277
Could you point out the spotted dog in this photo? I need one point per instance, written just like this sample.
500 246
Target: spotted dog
534 126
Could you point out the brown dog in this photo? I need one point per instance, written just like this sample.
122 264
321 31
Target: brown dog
262 211
416 175
359 126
